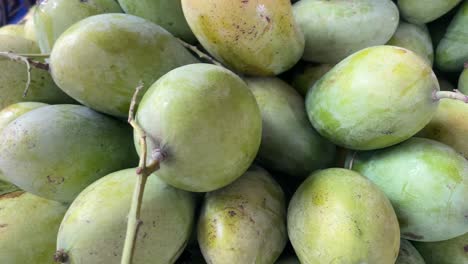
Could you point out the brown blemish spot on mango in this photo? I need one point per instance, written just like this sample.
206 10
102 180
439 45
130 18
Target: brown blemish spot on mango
11 195
413 235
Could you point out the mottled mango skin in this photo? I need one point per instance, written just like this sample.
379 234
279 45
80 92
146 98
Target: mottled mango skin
449 125
408 254
53 17
421 12
289 142
28 228
427 183
93 229
13 30
452 251
306 76
166 13
338 216
56 151
100 60
415 38
377 97
244 222
335 29
452 51
463 81
13 111
206 122
13 76
256 37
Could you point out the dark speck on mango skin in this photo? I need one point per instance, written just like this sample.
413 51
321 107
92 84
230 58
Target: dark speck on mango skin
413 236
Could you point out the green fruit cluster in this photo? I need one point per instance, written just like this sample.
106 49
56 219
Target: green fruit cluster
246 131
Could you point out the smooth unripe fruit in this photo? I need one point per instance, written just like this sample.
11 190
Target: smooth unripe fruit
452 251
408 254
420 12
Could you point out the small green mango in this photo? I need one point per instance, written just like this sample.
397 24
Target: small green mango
408 254
13 30
289 143
452 251
101 59
449 125
304 77
53 17
340 203
420 12
13 76
56 151
166 13
93 229
30 28
452 51
377 97
463 81
427 183
244 222
415 38
205 122
335 29
28 227
257 38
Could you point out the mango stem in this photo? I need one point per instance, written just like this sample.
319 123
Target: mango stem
455 95
199 53
143 171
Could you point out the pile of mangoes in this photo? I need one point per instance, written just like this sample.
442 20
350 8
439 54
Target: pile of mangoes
235 131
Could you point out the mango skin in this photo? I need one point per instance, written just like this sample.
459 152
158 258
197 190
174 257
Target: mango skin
463 81
244 222
53 17
452 51
259 38
100 60
206 121
13 76
427 183
29 227
408 254
415 38
56 151
289 142
306 76
30 30
341 203
166 13
11 112
330 26
449 125
452 251
13 30
93 229
375 98
421 12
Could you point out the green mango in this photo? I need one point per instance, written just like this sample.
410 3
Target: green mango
375 98
206 124
13 76
11 112
452 51
56 151
28 227
408 254
30 30
93 229
289 143
449 125
166 13
257 38
427 183
338 216
100 60
420 12
463 81
335 29
244 222
13 30
53 17
452 251
306 76
415 38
